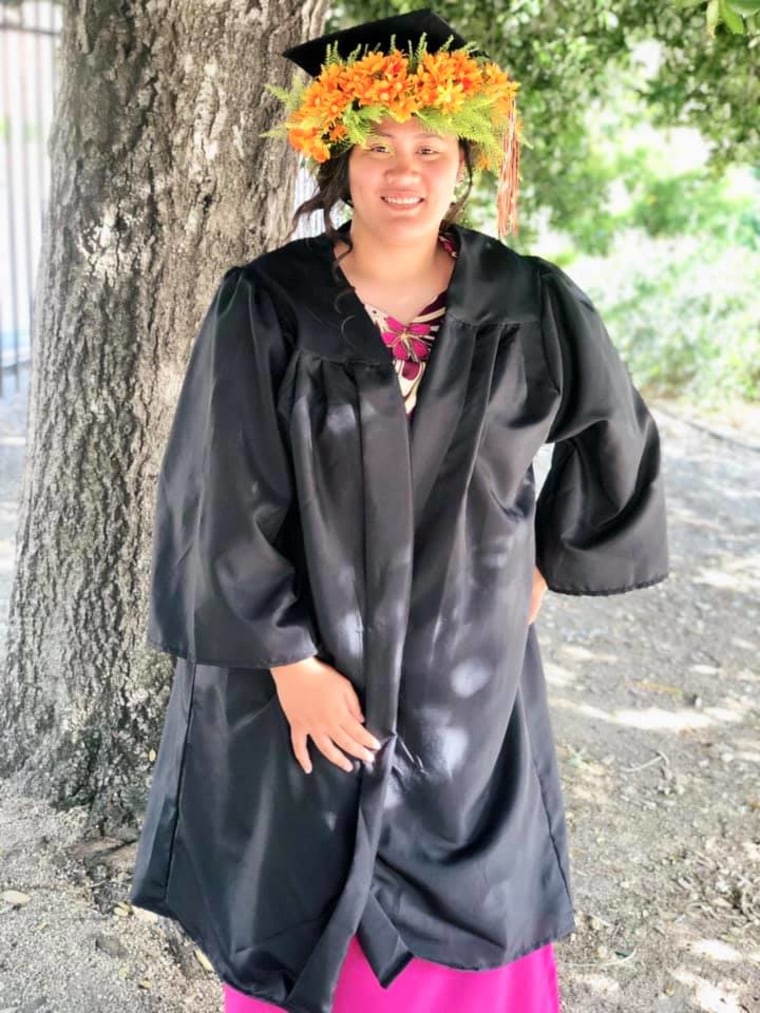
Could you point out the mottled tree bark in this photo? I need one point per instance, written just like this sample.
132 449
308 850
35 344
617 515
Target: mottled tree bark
160 182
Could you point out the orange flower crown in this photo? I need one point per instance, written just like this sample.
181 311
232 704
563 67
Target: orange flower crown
449 91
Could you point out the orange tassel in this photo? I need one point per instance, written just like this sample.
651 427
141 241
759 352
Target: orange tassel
506 192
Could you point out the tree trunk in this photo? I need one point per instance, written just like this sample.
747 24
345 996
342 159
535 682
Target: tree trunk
160 182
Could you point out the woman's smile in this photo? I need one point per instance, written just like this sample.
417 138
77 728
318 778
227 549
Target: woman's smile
404 202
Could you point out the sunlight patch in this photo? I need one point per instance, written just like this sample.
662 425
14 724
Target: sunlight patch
715 949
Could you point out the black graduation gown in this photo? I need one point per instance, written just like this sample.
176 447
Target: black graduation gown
300 513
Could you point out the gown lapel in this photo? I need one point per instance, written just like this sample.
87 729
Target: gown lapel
440 396
439 407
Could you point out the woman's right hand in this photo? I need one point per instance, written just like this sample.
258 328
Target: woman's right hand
321 704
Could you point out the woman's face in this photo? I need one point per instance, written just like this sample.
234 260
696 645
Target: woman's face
402 180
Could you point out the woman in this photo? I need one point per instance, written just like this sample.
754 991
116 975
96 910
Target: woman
356 802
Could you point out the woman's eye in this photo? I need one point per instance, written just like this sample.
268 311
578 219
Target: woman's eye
429 151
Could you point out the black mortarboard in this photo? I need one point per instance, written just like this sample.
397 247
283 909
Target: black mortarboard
405 29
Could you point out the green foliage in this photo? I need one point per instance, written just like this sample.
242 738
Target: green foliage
570 57
713 85
652 189
682 315
739 16
693 203
601 83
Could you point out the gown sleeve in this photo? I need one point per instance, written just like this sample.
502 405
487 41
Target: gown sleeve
600 516
223 590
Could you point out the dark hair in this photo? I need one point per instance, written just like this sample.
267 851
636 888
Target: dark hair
333 189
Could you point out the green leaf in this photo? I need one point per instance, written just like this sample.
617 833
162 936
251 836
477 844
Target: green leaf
283 94
732 20
745 7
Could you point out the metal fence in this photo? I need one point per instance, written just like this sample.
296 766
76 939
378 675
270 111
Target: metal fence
28 79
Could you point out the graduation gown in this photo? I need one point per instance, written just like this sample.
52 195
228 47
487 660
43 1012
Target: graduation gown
299 512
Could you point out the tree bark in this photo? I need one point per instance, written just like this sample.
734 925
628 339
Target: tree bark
160 182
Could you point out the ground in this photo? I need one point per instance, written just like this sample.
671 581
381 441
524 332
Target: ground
655 698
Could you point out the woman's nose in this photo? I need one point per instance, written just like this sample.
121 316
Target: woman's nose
402 166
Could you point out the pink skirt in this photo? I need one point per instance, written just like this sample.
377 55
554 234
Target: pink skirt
527 985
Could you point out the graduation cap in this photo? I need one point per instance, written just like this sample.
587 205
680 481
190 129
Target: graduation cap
404 30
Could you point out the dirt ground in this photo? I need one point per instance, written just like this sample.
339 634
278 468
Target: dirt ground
655 699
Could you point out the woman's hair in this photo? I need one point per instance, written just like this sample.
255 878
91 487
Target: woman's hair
332 189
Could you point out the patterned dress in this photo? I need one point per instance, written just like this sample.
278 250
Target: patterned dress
527 985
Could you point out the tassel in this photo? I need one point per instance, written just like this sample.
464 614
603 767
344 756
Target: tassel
506 192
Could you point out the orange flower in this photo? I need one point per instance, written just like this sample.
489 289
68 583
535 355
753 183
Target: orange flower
469 75
377 79
326 97
337 132
309 142
383 91
437 84
370 65
450 97
436 64
405 105
496 83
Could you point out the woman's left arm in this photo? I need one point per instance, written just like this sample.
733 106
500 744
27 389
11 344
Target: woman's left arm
600 517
